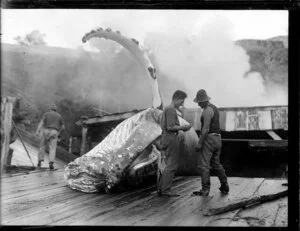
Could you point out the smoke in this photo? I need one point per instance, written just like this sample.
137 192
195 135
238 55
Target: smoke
207 58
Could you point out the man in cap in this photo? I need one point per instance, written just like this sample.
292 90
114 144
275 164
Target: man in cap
52 124
170 144
209 145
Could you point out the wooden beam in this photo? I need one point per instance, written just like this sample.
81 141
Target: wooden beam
7 104
268 143
112 117
84 138
274 135
70 144
246 203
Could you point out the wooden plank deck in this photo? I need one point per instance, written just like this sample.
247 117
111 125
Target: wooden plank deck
43 198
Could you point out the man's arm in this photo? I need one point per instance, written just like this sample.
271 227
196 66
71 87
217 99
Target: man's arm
207 116
171 117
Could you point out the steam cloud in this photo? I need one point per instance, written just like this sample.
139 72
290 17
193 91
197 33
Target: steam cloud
207 58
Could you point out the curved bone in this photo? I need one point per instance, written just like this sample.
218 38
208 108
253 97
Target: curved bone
138 53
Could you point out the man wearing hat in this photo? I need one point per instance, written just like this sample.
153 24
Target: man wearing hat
52 124
209 145
170 144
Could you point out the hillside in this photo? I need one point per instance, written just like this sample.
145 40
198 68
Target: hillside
269 58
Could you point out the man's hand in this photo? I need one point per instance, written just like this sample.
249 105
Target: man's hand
186 127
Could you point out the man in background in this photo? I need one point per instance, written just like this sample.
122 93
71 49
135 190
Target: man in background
209 145
50 127
170 144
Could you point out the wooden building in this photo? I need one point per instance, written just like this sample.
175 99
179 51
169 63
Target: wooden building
248 134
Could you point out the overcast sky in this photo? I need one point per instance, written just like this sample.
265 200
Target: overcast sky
65 28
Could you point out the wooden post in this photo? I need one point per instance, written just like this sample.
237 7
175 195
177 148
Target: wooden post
7 104
83 141
70 144
84 135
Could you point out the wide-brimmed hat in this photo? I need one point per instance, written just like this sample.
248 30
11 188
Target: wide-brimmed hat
201 96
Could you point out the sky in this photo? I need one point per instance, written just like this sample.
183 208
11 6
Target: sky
65 27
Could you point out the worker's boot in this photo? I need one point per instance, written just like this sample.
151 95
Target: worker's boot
51 167
9 156
224 188
205 178
223 180
202 192
39 165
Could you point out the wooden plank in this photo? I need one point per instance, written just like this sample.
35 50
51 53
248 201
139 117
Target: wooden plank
249 202
268 143
11 182
135 207
179 210
224 219
274 135
281 219
153 211
230 123
106 212
194 215
32 188
100 206
37 216
40 185
264 120
112 117
280 118
184 213
33 206
6 126
58 212
84 137
34 193
265 214
152 206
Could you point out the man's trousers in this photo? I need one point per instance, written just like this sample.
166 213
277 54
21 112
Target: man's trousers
210 158
49 137
170 155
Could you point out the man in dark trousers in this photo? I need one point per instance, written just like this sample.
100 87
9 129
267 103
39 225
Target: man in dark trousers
51 126
209 145
169 143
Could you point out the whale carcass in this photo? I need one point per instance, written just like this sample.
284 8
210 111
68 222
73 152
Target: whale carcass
130 153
